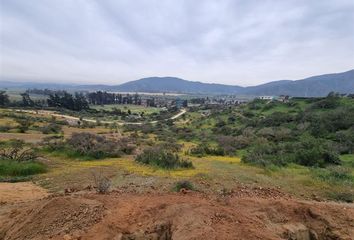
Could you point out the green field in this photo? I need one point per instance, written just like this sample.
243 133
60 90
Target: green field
126 107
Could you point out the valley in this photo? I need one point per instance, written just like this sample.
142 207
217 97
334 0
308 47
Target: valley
209 170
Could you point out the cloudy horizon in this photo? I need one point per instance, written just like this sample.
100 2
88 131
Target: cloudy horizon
230 42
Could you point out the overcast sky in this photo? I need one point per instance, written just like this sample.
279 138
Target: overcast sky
228 41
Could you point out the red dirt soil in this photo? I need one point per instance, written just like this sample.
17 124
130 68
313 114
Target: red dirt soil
177 216
17 192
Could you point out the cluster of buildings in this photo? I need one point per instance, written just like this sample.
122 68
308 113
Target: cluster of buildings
281 98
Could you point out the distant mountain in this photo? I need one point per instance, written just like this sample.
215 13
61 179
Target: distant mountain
309 87
14 84
176 85
315 86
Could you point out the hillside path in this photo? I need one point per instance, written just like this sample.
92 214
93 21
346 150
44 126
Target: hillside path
52 113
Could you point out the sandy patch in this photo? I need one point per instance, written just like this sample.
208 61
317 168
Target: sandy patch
20 192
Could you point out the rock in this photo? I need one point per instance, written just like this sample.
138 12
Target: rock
313 235
297 231
119 236
183 190
67 237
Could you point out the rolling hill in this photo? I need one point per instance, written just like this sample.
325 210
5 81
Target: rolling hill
177 85
309 87
315 86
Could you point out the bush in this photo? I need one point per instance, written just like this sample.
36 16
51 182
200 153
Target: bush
96 146
310 151
4 128
307 151
24 124
265 155
184 184
335 174
330 102
15 150
101 182
51 128
53 143
159 157
205 149
15 169
228 144
277 119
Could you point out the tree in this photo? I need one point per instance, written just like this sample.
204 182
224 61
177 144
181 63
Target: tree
17 151
4 98
26 100
66 100
24 124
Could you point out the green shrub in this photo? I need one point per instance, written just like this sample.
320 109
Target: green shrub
96 146
53 143
24 124
159 157
51 128
16 169
4 128
335 174
330 102
342 196
204 149
266 154
16 150
184 184
306 151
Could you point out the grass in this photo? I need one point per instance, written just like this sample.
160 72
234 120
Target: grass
348 160
225 159
6 121
68 153
126 107
10 168
217 172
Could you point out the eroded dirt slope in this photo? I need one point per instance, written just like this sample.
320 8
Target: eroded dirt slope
177 216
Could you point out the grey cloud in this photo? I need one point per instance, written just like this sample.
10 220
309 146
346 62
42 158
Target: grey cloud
228 41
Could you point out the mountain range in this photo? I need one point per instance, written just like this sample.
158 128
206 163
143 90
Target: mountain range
314 86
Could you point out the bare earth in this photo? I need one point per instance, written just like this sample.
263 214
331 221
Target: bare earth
22 191
241 214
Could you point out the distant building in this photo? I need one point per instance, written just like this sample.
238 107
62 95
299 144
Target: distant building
281 98
284 98
267 97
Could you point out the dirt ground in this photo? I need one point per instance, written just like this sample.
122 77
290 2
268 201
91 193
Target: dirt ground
256 213
19 192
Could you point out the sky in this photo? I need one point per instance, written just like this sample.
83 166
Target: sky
234 42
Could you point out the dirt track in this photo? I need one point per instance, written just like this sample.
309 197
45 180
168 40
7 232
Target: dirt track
177 216
68 117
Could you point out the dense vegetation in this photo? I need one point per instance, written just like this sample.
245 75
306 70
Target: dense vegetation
308 132
18 160
88 145
160 157
309 139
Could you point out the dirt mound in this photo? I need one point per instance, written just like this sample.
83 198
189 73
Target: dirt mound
51 217
124 216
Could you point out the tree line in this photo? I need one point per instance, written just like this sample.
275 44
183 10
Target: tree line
60 99
77 101
103 98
